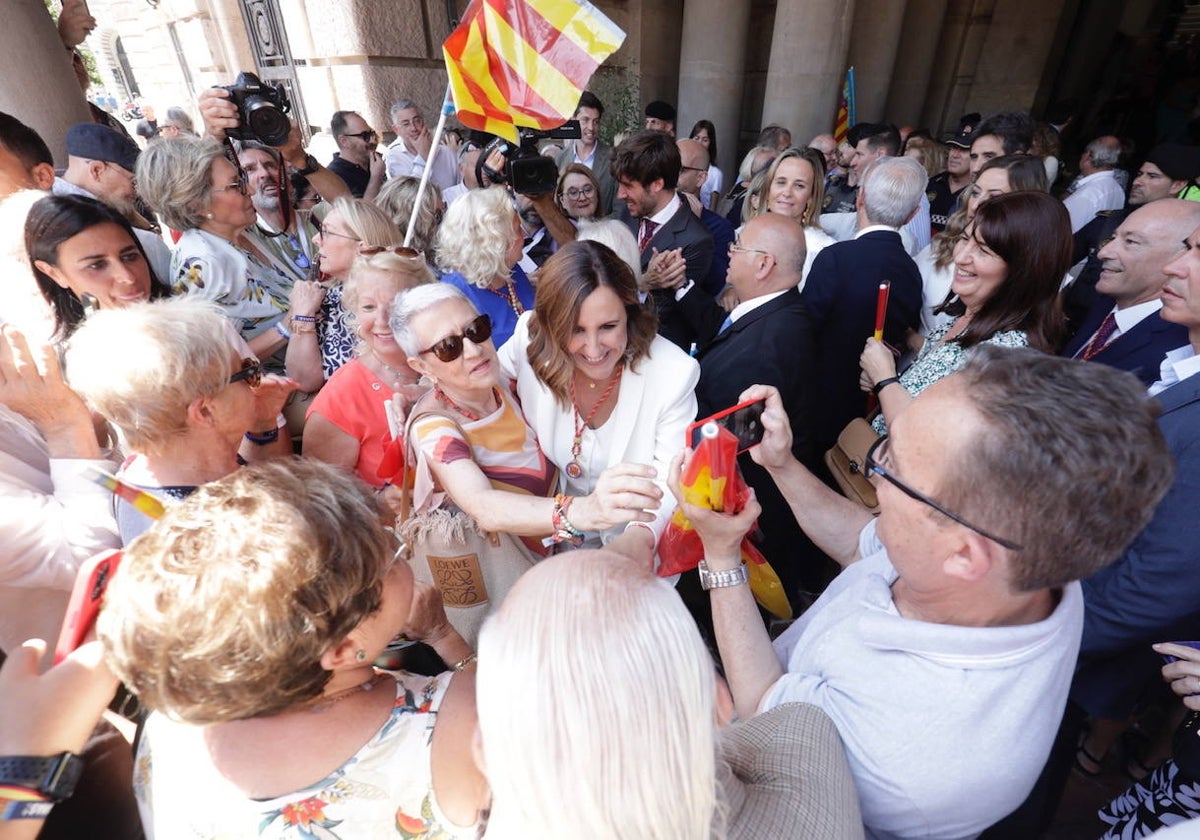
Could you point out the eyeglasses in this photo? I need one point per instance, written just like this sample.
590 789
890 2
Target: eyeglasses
451 347
581 192
873 466
398 250
365 136
252 372
736 247
328 231
242 184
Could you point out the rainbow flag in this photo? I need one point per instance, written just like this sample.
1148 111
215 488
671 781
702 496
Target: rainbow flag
845 111
525 62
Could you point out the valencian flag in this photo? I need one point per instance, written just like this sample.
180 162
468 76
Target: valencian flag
712 480
525 62
845 112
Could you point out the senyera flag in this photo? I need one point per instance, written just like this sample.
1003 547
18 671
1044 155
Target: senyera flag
525 62
845 113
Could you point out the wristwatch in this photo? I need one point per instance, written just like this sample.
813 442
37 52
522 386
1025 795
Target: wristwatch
719 580
310 166
52 776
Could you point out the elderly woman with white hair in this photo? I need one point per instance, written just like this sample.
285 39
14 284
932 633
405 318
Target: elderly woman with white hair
619 727
188 399
195 189
478 247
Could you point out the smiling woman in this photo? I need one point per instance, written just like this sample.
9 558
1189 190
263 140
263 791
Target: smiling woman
81 249
794 186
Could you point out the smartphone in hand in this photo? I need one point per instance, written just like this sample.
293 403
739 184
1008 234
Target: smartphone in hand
86 597
744 420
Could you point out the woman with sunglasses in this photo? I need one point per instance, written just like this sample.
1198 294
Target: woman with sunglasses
602 388
348 422
174 378
578 193
82 250
478 247
480 452
1008 266
195 189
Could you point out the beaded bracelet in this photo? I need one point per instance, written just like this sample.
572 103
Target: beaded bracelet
264 438
283 331
564 531
304 319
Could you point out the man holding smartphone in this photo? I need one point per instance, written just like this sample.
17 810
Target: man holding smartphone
944 649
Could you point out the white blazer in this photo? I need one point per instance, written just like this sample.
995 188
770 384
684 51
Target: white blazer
649 424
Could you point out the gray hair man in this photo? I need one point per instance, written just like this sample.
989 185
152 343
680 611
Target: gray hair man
842 288
1097 188
412 149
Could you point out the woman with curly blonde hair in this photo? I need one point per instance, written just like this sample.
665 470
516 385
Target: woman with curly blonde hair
478 248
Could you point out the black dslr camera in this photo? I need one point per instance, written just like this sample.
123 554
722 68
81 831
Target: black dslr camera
263 110
528 172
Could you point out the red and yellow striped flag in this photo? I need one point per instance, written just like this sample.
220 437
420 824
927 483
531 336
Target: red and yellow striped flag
845 113
525 62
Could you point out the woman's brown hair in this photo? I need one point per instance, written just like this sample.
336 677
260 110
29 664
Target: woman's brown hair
565 281
1031 232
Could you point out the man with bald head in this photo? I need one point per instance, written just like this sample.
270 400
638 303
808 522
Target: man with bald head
692 175
1124 328
765 339
827 146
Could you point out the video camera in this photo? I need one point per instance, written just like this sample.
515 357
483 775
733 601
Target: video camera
263 109
525 169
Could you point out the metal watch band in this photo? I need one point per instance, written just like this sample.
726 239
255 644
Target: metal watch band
53 776
719 580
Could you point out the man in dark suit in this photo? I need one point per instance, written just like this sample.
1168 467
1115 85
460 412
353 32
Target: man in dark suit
843 287
589 151
765 340
1124 328
692 176
670 237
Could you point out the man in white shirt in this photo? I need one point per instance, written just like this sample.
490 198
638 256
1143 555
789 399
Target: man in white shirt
944 649
1124 329
410 152
1097 188
589 151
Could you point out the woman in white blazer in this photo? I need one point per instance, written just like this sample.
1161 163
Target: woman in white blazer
598 385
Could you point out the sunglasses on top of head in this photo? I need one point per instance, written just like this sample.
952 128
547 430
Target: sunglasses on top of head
451 347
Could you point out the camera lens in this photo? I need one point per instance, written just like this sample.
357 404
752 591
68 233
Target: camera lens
268 123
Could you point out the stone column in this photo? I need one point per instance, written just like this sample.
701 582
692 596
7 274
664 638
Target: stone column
711 72
1014 55
39 85
873 43
808 64
914 64
964 30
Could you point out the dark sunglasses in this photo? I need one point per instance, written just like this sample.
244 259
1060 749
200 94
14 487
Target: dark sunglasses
365 136
252 372
873 466
451 347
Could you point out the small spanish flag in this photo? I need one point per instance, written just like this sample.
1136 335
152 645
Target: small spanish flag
845 112
525 62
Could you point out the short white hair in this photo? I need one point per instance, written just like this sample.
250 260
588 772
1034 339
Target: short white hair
412 302
892 189
613 730
617 236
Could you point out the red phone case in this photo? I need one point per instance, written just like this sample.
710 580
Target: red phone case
716 418
86 596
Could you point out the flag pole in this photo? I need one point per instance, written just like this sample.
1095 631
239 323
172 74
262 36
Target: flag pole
447 108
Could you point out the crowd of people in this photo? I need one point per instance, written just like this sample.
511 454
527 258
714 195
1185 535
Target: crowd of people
299 371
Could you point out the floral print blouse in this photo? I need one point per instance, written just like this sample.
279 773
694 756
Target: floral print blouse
384 791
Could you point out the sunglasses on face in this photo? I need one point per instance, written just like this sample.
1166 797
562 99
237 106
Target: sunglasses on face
365 136
251 371
451 347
